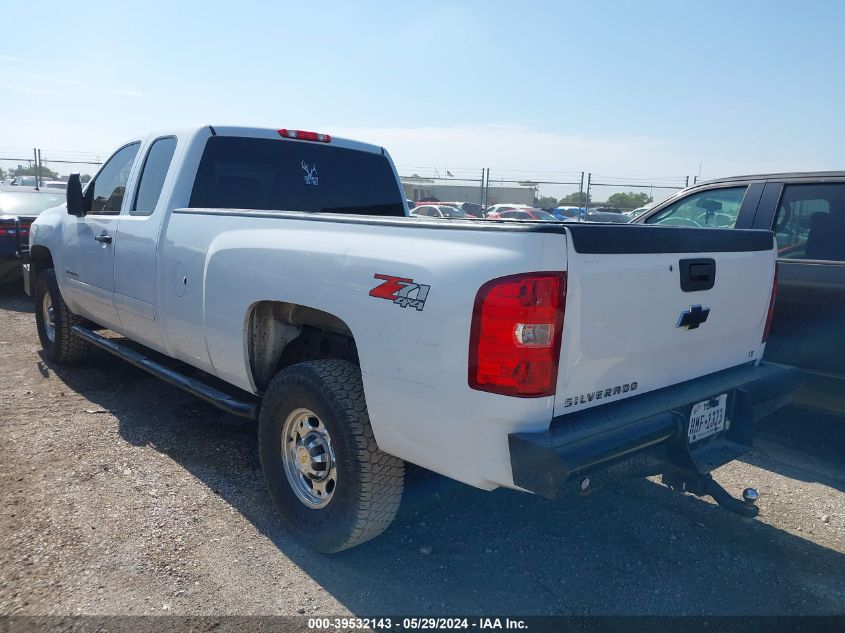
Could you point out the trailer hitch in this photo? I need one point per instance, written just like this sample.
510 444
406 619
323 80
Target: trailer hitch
705 485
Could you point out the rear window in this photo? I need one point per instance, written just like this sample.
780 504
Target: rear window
254 173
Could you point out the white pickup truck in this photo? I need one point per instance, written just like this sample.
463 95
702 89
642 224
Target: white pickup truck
532 355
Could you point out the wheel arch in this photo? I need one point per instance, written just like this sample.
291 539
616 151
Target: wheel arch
40 259
279 334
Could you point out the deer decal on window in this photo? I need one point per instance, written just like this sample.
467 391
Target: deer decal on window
310 174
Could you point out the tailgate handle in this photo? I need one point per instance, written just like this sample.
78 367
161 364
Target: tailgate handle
697 274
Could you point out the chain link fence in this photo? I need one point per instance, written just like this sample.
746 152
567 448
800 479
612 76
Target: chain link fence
699 179
546 190
65 163
479 186
536 189
45 167
14 162
446 185
486 188
626 194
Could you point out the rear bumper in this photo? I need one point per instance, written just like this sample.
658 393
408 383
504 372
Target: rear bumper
12 249
647 434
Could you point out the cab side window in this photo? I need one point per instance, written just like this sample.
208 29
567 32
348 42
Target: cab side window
156 165
106 191
714 208
810 222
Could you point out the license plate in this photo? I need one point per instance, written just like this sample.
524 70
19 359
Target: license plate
707 418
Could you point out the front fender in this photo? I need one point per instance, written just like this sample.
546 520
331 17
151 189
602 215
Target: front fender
46 232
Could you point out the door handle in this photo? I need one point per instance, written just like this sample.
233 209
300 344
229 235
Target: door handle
104 238
697 274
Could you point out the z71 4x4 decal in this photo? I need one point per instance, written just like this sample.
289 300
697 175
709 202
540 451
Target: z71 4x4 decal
401 291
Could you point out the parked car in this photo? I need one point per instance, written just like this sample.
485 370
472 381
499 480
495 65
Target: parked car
495 209
635 213
439 211
24 181
567 213
616 210
54 184
470 208
606 216
257 259
525 214
19 206
807 212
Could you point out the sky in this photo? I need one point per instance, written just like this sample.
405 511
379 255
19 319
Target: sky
629 89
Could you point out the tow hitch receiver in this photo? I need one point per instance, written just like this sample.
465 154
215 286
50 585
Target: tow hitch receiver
704 485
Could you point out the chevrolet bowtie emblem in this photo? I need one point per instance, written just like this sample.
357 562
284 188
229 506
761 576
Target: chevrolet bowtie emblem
692 318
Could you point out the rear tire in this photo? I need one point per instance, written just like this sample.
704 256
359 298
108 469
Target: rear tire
54 320
331 485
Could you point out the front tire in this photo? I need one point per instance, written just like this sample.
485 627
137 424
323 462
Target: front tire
331 485
54 320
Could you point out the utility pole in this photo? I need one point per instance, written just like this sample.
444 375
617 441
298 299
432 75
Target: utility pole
580 193
587 196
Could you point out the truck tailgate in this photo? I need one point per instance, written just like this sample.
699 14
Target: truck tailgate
649 307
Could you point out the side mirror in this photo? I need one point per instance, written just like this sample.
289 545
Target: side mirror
75 202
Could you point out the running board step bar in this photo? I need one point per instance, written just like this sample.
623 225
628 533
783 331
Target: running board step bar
220 399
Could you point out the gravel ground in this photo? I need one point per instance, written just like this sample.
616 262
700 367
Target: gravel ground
122 495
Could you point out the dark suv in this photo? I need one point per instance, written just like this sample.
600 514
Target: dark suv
807 213
19 206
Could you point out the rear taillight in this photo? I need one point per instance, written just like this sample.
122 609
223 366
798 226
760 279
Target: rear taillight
771 307
517 325
302 135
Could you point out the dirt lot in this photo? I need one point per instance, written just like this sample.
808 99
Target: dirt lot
121 495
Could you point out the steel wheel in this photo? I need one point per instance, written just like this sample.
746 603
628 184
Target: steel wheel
49 316
308 458
331 485
54 321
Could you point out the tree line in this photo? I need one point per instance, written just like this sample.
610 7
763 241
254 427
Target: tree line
45 172
622 200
